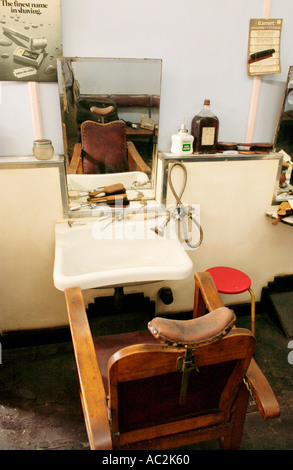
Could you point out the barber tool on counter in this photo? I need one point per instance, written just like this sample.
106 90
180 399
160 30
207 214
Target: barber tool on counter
248 148
115 194
113 200
285 209
113 189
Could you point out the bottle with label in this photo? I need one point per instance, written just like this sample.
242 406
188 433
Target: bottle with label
182 143
205 128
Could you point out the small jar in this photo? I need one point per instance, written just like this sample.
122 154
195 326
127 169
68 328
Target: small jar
43 149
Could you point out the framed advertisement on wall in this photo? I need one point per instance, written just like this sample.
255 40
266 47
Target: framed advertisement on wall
264 46
30 40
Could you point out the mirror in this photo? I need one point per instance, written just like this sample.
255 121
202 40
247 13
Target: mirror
284 132
104 90
283 139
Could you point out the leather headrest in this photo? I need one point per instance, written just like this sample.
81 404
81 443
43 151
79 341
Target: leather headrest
205 329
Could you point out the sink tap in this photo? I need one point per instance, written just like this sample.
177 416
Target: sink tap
71 222
159 229
114 218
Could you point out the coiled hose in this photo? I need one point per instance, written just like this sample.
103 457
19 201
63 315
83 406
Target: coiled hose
181 211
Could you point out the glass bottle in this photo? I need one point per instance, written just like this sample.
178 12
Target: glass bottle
205 128
43 149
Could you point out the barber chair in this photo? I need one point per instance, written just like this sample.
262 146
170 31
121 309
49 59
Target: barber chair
104 149
177 383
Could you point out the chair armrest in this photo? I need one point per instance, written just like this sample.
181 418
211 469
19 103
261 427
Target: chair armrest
90 379
134 157
267 403
206 296
75 165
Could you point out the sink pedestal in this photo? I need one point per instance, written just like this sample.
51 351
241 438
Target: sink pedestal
127 303
118 298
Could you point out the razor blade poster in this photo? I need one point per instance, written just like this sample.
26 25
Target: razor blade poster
264 46
30 40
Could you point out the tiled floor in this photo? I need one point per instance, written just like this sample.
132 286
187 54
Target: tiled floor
40 407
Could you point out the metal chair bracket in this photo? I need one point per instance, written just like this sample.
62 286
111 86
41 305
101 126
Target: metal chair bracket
185 364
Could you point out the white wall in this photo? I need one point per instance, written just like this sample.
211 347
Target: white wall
203 45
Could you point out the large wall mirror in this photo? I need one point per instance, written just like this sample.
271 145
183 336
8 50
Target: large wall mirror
110 112
284 132
283 139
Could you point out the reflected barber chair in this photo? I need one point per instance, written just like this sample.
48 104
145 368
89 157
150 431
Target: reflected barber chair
104 149
174 384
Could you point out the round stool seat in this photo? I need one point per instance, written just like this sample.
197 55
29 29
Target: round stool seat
229 280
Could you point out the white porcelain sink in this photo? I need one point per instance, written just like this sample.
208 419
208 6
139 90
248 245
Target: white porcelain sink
104 253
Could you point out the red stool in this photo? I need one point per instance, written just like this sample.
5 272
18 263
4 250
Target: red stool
232 281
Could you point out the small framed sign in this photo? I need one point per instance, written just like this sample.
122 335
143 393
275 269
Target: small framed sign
264 46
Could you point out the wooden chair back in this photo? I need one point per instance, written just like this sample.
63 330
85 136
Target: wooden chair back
104 147
145 383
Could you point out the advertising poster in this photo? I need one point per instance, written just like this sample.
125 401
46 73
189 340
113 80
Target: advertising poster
264 46
30 40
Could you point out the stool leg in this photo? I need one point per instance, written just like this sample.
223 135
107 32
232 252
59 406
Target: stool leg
252 311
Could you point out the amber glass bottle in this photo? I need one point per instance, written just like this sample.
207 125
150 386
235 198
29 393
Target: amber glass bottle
205 128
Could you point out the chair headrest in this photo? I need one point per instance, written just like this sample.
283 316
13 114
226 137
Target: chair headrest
202 330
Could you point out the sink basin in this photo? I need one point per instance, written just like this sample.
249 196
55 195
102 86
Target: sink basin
105 253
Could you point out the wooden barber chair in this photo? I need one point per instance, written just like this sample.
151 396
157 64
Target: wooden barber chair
175 384
104 149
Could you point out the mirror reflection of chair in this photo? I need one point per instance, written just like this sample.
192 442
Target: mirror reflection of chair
104 149
174 384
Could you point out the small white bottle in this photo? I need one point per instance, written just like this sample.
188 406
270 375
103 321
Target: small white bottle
182 143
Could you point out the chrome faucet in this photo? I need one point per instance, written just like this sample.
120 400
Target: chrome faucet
159 229
114 218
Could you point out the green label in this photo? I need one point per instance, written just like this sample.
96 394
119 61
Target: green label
186 147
